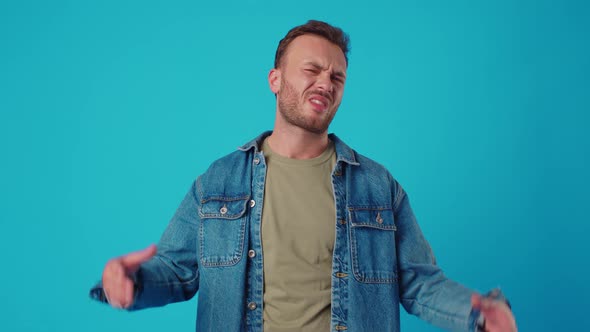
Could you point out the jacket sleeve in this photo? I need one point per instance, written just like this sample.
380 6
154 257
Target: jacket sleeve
172 274
424 290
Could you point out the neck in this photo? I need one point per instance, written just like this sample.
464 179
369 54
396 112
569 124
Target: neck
297 143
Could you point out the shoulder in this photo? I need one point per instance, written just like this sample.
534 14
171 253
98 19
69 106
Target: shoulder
371 173
369 169
371 181
371 166
232 161
358 163
228 177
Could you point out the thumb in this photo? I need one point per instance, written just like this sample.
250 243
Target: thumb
132 260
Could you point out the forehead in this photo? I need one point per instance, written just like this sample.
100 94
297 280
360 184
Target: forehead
317 49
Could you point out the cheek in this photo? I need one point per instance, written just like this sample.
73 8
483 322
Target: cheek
338 97
305 81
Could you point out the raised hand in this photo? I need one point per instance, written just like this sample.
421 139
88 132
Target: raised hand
117 276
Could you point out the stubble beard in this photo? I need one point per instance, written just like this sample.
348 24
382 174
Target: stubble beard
291 110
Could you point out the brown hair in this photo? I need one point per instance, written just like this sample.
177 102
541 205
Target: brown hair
319 28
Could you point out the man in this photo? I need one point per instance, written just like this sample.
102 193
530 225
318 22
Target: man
296 231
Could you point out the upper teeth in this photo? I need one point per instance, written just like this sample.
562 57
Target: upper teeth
315 101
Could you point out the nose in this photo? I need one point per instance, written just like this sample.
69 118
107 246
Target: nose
324 82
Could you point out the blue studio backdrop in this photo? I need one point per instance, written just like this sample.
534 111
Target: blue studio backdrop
110 109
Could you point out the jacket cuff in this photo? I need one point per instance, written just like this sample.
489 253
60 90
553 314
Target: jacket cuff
97 293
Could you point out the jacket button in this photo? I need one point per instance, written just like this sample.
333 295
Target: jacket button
379 219
223 210
252 203
251 253
252 306
256 161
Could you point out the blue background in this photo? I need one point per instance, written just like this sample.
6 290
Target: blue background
110 109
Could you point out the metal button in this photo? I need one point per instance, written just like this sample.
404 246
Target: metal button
223 210
252 306
256 161
342 221
252 203
379 219
251 253
341 275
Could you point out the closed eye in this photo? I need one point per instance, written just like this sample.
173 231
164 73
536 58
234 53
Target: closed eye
338 79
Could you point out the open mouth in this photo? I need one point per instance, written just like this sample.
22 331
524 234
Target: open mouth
318 102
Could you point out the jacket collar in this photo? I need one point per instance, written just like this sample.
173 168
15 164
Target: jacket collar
343 152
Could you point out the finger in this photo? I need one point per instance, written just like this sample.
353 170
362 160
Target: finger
493 304
113 302
133 260
127 293
496 307
483 303
110 276
116 305
120 284
476 301
113 270
106 295
499 320
114 279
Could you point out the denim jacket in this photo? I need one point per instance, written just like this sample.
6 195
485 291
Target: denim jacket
380 258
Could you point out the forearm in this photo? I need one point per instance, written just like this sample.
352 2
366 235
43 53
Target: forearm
424 289
430 295
160 281
172 274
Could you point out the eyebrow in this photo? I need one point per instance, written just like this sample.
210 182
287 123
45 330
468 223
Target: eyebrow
318 66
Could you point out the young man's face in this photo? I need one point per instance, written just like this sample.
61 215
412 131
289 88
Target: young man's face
309 83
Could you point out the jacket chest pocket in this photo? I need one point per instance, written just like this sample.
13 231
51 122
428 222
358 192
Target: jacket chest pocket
372 244
222 231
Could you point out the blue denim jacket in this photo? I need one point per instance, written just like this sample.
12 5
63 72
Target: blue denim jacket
381 259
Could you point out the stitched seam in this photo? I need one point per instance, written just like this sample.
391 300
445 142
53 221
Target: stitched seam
371 225
369 207
225 198
167 283
199 188
238 253
399 195
445 315
356 271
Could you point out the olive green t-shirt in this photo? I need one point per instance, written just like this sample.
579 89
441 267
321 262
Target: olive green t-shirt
298 230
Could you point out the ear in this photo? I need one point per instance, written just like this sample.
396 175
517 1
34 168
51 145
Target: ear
274 80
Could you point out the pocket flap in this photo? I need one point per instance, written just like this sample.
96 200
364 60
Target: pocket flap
223 207
372 217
